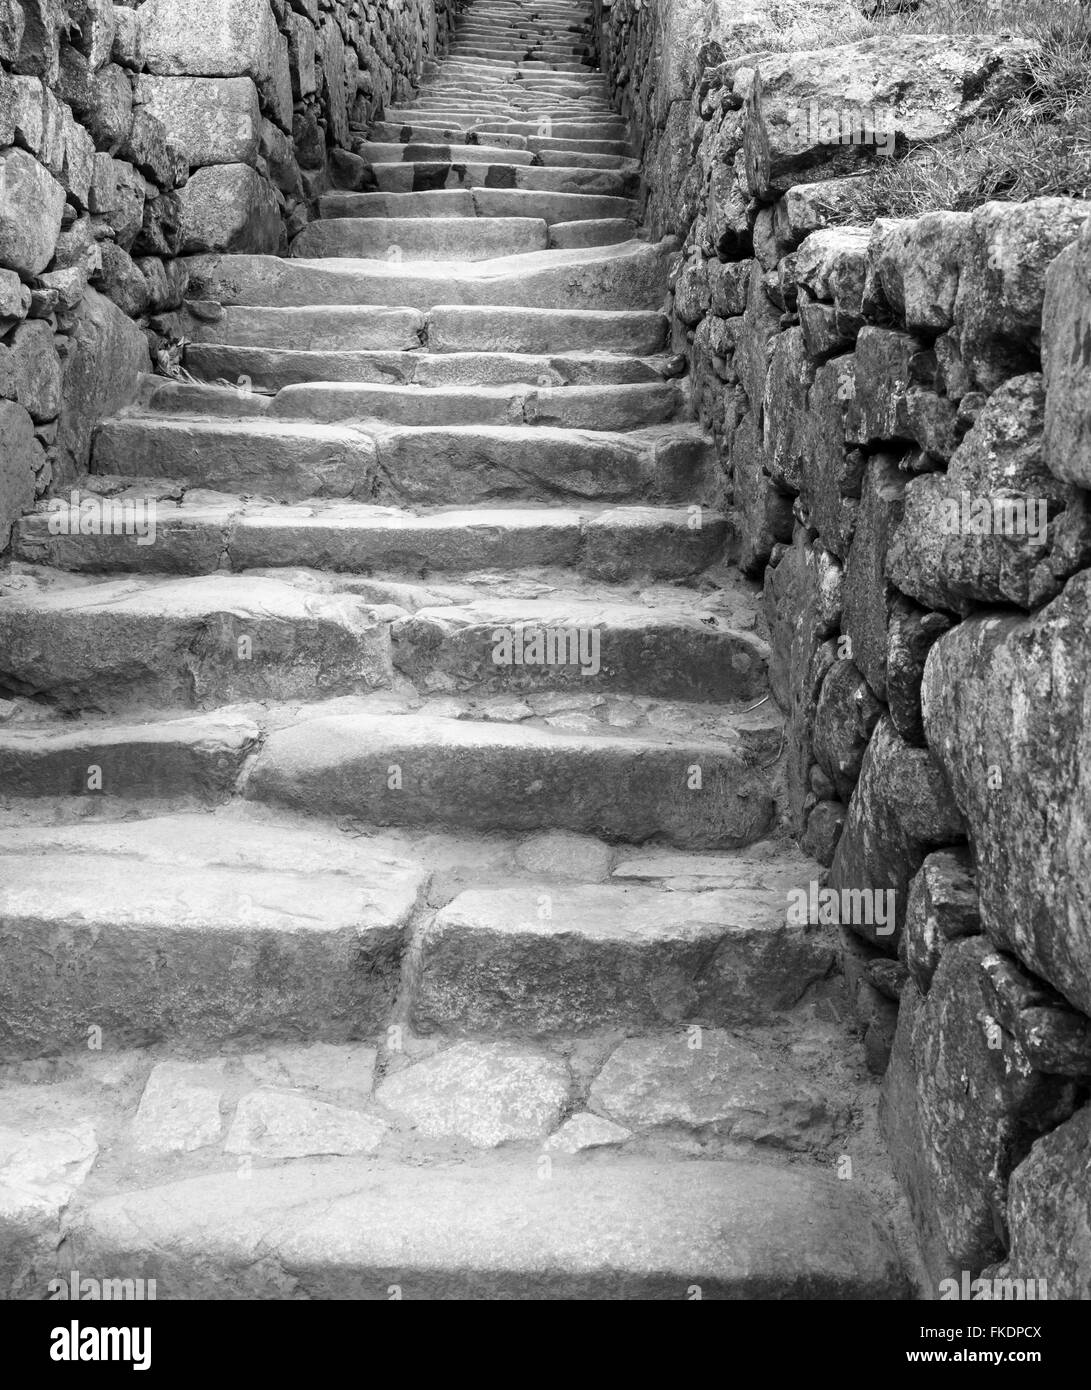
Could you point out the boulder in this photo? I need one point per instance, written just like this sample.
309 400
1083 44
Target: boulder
209 120
901 809
209 38
106 354
31 207
1004 710
998 527
1049 1213
1001 289
229 207
822 113
1066 361
20 456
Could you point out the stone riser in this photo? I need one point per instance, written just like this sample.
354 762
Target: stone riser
615 544
492 778
629 277
443 329
421 465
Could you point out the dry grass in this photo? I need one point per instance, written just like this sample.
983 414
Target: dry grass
1039 145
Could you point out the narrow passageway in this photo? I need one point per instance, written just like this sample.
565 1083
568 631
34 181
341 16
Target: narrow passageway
403 812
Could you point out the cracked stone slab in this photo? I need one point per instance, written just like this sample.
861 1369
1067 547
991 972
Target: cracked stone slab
485 1093
286 1124
708 1083
180 1108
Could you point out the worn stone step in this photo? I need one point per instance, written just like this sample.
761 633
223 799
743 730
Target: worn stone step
670 653
598 126
273 458
626 1228
566 407
415 464
150 642
424 133
461 465
271 369
584 127
627 277
333 328
202 537
549 958
421 177
477 202
422 769
148 942
499 329
600 231
421 239
197 759
439 151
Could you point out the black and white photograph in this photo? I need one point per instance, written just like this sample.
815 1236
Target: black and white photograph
545 669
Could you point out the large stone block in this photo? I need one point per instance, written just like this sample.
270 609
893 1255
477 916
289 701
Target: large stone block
791 373
919 265
1066 361
844 720
230 207
36 369
20 455
960 1110
868 596
803 607
209 120
209 38
31 206
831 474
1001 290
997 527
821 113
1049 1212
106 354
1005 711
901 810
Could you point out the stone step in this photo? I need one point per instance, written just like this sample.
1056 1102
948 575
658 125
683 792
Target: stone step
627 277
670 653
500 329
477 202
612 408
580 125
199 537
557 154
599 231
554 958
415 464
402 177
444 329
271 369
162 642
202 937
423 769
438 151
390 133
626 1228
272 458
585 128
420 239
197 759
333 328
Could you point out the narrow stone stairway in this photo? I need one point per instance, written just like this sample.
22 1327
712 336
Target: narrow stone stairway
391 896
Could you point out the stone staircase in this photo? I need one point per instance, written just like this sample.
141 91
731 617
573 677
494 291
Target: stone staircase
391 894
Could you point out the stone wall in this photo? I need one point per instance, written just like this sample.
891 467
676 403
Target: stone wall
133 135
904 410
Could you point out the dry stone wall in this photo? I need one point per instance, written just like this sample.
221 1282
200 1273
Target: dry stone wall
904 410
134 135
